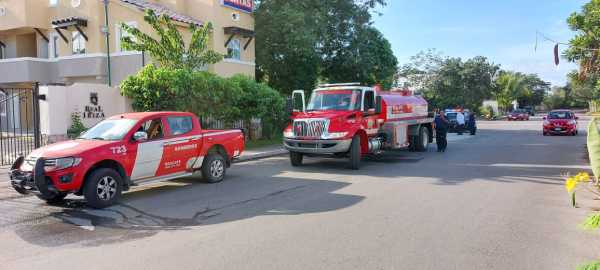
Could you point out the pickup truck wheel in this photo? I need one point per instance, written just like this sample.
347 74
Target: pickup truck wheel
296 159
213 168
422 141
52 199
103 188
355 154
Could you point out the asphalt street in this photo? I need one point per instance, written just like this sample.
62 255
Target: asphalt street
493 201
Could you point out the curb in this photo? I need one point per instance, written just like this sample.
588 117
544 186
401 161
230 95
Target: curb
263 155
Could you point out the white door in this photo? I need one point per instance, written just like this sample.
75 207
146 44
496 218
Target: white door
149 153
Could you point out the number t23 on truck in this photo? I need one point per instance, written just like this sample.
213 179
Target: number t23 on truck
123 151
349 120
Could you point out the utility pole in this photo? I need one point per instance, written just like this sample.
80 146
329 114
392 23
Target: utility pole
106 32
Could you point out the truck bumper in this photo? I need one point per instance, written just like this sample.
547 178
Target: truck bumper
317 146
35 182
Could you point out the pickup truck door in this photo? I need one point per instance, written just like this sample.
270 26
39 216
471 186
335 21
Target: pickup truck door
182 149
150 152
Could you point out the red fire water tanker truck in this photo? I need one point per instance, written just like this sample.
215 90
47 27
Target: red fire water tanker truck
349 120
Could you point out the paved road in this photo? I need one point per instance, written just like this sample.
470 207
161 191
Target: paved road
494 201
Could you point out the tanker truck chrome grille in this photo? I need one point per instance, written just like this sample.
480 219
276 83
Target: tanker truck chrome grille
310 128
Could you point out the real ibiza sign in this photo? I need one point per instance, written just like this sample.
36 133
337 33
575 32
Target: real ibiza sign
243 5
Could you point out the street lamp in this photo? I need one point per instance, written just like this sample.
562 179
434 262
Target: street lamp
106 32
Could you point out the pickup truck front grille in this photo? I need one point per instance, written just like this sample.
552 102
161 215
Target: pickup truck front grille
48 163
310 128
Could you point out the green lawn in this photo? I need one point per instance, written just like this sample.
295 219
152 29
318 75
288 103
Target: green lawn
263 143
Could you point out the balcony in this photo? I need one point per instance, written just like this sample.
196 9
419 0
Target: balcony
16 14
68 69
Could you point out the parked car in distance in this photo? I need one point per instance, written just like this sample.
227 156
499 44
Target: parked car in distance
518 115
123 151
530 110
452 123
560 122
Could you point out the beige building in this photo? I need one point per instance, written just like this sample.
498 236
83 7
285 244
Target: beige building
62 45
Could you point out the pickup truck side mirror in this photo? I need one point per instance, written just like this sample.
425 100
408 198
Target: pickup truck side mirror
140 136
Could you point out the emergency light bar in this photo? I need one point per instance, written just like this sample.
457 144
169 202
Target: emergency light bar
339 84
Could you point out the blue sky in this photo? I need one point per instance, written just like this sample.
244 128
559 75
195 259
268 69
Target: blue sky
502 30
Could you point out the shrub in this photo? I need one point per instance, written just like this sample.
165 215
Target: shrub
76 127
205 94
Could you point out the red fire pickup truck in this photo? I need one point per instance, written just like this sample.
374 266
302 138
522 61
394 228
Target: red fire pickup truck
349 120
124 151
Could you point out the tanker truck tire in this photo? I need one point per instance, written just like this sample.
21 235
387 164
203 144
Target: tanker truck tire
296 159
422 141
355 153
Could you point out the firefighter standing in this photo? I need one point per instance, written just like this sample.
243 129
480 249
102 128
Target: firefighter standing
441 131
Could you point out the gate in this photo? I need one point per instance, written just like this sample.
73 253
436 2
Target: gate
19 123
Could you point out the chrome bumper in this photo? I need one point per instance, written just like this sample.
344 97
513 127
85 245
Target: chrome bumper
317 146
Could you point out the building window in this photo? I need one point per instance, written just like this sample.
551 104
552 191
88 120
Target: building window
234 50
121 33
78 42
53 45
53 3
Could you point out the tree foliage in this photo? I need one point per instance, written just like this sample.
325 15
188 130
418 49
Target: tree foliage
170 49
303 42
450 82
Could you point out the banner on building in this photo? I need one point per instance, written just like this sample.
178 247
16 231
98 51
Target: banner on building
244 5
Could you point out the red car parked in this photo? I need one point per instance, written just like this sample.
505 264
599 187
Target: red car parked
517 115
560 122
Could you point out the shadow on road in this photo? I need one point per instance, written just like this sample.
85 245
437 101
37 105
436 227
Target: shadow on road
184 204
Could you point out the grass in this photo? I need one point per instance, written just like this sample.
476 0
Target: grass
263 143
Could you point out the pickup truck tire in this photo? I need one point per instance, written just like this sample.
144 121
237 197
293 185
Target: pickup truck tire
103 188
421 142
296 159
214 168
52 199
355 154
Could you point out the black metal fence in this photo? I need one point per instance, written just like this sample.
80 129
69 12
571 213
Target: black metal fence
19 123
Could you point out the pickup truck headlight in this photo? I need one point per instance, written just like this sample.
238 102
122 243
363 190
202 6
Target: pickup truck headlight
61 163
334 135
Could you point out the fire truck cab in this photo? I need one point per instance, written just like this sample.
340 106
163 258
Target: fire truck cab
350 120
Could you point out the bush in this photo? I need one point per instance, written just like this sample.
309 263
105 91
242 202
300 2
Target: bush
205 94
76 127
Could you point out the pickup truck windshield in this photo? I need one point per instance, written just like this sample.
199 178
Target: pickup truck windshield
336 100
109 130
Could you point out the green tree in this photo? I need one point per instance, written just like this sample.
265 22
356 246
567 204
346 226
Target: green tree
369 59
450 82
584 50
286 42
303 42
509 86
170 49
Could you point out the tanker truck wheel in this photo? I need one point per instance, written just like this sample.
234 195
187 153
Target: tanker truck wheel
355 154
422 141
296 159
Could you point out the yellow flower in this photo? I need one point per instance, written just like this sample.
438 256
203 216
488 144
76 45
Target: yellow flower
582 177
570 184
